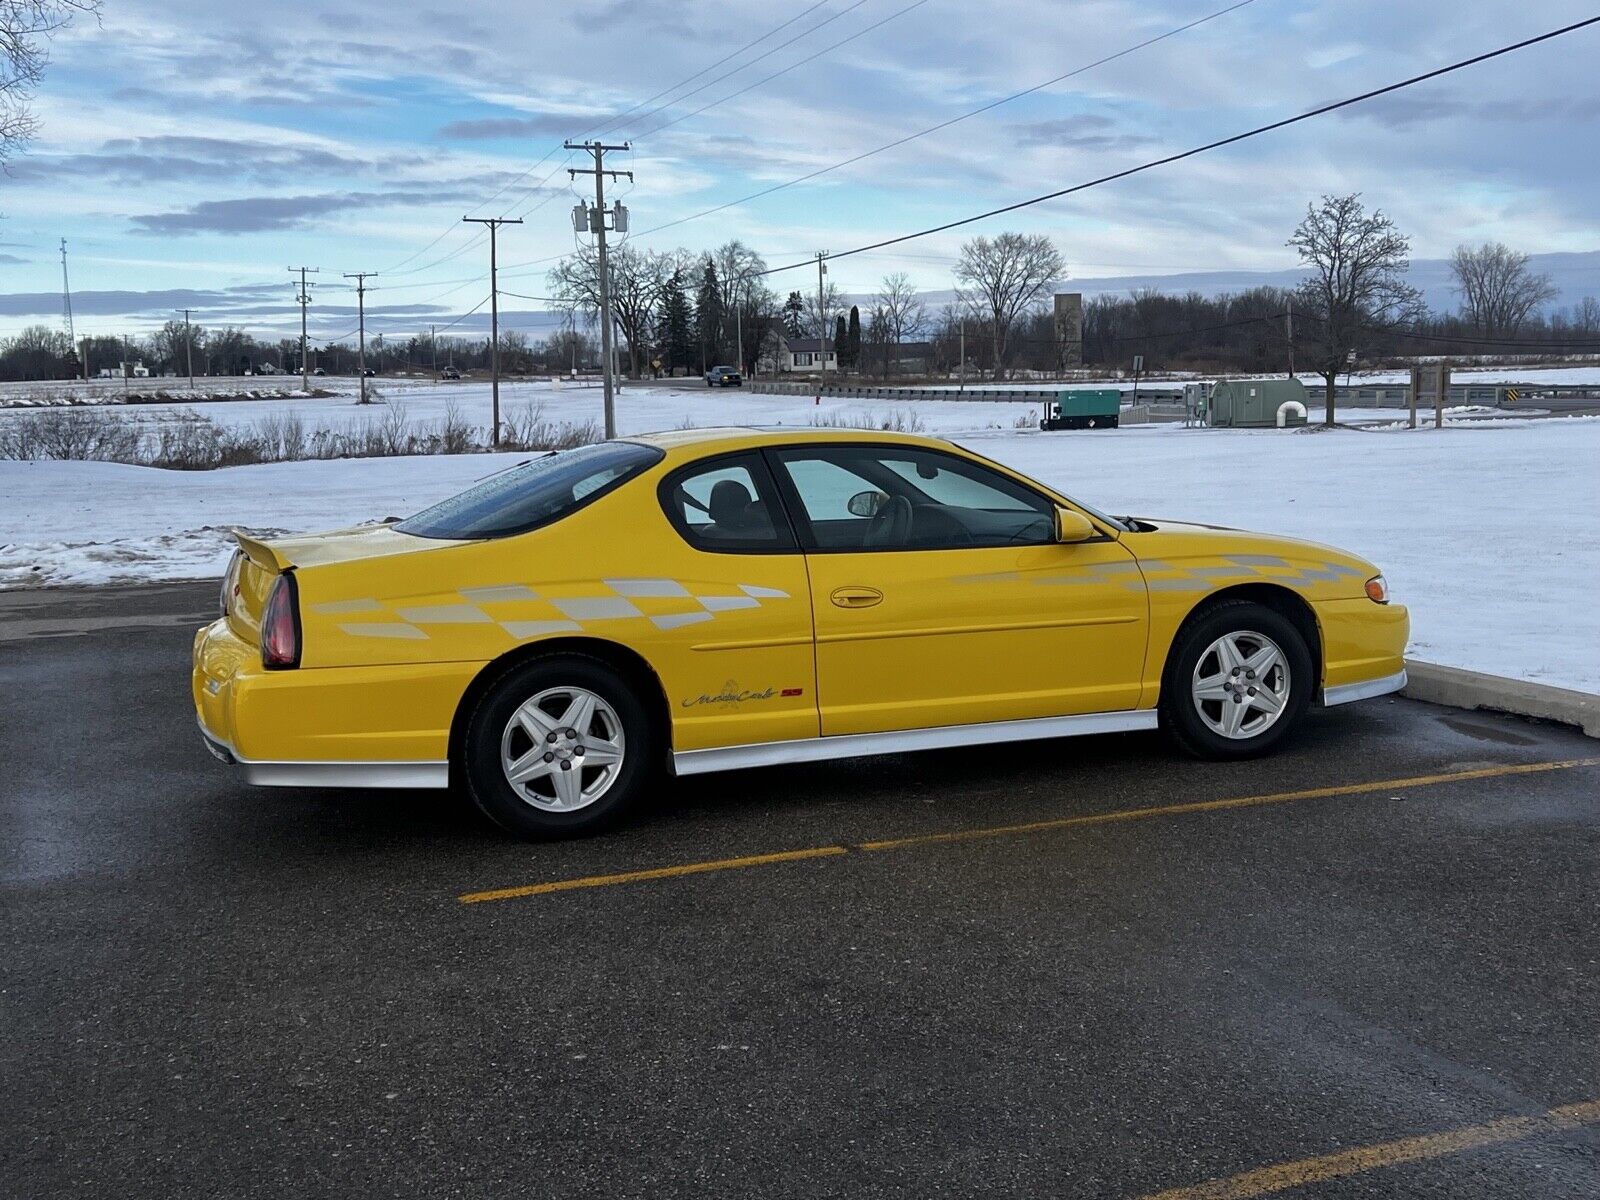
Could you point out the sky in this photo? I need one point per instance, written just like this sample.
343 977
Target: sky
192 151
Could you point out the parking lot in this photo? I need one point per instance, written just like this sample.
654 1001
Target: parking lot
1369 966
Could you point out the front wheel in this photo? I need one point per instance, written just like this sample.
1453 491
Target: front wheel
558 747
1238 679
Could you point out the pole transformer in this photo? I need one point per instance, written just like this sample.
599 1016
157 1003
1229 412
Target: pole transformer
303 298
597 226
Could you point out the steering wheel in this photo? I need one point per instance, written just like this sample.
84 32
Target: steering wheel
891 524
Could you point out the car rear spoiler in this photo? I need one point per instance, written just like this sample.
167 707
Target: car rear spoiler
263 555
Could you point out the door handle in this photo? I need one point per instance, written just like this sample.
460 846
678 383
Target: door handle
856 597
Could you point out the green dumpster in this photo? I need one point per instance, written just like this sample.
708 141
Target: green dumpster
1083 408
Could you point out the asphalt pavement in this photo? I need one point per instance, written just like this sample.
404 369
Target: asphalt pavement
1369 966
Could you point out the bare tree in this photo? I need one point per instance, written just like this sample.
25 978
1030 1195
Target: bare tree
1002 278
638 280
1586 315
819 316
1358 262
904 313
1498 292
748 302
26 26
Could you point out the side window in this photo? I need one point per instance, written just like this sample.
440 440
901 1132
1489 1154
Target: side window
905 498
727 505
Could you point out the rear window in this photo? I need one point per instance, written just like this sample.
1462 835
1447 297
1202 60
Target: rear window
533 493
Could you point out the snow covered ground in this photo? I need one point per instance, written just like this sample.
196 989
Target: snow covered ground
1489 531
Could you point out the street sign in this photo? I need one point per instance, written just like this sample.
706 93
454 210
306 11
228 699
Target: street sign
1430 380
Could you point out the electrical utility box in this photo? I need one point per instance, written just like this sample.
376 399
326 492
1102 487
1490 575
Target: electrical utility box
1254 403
1083 408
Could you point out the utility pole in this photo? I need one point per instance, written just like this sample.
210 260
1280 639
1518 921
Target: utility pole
361 278
303 298
597 226
822 323
66 297
127 367
494 224
962 386
433 348
1288 331
188 348
738 328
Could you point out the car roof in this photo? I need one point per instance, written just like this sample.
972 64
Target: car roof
692 443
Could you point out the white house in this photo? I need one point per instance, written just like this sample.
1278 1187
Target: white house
782 354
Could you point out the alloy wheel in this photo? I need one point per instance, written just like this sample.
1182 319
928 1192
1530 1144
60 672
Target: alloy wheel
562 749
1241 685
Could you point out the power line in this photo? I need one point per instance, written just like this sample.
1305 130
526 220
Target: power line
784 71
956 120
1190 153
507 186
844 12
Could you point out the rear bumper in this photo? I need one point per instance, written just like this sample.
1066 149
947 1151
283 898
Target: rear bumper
330 727
330 774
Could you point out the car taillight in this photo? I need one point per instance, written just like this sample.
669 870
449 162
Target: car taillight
280 626
228 578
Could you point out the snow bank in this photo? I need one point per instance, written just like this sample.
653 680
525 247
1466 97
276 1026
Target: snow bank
1489 532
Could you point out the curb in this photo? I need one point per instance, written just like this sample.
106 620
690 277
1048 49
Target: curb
1456 688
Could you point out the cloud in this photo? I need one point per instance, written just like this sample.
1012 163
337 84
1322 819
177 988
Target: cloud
257 214
543 125
1085 132
12 258
247 215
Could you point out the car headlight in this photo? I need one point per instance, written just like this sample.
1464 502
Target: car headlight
1378 589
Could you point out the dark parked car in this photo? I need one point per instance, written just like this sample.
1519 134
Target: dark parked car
369 373
450 373
722 377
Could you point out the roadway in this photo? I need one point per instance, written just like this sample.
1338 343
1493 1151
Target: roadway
1365 967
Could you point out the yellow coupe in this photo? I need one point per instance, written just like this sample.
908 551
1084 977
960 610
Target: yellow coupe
714 599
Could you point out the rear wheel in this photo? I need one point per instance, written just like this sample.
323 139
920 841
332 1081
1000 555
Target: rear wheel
558 747
1238 680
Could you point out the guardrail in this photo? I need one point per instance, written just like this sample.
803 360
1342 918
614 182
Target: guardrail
1160 396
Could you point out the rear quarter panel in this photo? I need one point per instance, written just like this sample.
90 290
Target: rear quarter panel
728 635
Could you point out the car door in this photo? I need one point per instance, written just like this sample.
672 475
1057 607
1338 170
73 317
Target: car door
732 639
941 597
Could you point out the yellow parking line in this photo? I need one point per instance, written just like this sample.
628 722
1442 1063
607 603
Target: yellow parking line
1171 810
962 835
1266 1180
699 868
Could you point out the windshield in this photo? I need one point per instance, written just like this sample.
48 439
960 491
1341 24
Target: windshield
533 493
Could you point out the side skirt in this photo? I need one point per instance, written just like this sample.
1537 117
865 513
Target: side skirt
855 745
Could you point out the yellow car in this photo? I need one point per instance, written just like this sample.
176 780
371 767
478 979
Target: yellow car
714 599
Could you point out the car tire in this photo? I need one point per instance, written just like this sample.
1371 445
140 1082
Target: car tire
1208 686
561 797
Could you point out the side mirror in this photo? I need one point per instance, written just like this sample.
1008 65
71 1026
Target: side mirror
866 504
1072 526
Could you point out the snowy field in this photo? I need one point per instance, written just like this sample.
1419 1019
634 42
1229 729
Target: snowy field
1489 531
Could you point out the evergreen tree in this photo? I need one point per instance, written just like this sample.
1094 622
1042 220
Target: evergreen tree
854 338
675 332
794 315
708 312
841 343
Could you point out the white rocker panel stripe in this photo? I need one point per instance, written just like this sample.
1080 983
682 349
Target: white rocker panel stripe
853 745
